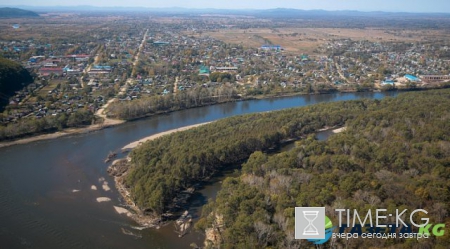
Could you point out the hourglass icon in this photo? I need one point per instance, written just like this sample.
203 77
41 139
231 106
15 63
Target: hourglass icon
310 216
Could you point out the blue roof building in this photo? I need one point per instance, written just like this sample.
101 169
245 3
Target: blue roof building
204 70
160 43
411 78
271 47
101 67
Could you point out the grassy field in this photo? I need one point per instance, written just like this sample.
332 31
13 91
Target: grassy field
51 85
306 40
51 26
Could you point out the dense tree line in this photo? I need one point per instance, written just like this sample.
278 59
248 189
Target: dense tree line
395 154
221 77
199 96
32 126
164 167
13 77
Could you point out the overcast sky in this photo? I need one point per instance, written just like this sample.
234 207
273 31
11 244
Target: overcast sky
362 5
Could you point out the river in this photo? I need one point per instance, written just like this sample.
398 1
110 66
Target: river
46 200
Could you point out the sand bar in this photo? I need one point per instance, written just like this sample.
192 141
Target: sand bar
122 210
339 130
103 199
154 136
105 186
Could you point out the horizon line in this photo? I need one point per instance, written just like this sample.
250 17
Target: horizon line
218 9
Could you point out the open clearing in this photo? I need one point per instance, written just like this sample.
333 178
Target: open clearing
306 40
52 84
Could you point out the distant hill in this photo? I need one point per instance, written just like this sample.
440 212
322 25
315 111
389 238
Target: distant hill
298 13
15 12
13 77
268 13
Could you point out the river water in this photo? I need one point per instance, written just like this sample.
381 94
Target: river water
46 200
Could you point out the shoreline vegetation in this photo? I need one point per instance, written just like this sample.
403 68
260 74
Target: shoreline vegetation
109 122
119 168
393 154
155 197
136 143
148 107
235 139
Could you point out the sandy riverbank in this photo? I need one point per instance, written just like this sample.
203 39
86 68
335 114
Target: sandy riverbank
338 130
133 211
107 122
65 132
333 129
140 141
119 169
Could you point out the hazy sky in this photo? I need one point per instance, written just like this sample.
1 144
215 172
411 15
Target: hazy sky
363 5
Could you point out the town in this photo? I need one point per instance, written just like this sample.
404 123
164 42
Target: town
80 66
225 124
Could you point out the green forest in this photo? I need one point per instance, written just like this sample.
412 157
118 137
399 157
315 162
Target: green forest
201 96
13 77
164 167
32 126
394 154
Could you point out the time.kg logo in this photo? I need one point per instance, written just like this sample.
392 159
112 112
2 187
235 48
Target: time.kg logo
312 224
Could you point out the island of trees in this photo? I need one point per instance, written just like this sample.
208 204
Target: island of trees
164 167
393 154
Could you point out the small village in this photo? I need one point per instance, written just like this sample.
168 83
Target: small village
163 59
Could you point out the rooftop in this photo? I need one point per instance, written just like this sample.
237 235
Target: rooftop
411 77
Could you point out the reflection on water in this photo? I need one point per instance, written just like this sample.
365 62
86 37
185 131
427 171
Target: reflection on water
324 135
40 209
